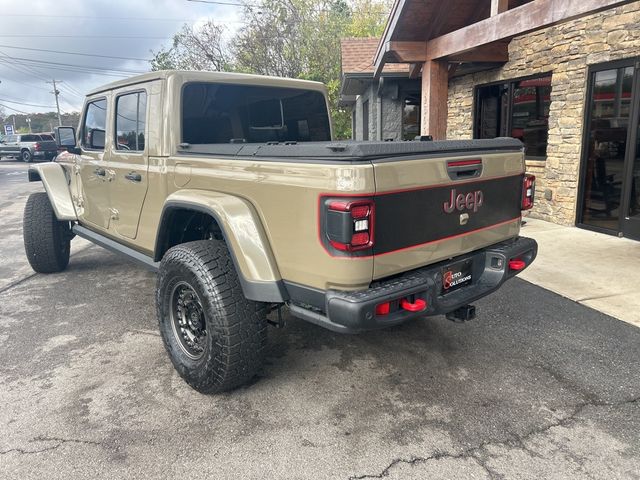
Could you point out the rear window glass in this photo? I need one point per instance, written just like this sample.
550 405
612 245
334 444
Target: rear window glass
220 113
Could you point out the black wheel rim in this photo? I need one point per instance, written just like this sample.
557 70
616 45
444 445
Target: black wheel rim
188 321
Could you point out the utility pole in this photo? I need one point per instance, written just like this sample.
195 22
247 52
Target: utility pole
56 92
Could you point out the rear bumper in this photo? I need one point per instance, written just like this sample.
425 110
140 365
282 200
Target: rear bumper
352 312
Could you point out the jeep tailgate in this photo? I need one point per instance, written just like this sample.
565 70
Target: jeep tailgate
431 208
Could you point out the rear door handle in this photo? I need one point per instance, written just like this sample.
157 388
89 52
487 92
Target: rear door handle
133 176
101 172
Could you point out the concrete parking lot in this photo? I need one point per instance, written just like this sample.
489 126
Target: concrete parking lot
537 386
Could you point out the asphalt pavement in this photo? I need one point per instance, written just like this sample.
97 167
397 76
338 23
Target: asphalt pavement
537 386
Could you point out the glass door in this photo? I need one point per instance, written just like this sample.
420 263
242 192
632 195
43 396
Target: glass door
631 192
611 126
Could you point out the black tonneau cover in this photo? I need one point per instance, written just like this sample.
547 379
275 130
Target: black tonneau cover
351 150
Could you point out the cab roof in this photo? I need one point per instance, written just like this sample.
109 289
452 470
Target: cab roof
223 77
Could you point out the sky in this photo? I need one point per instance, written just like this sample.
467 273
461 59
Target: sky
90 31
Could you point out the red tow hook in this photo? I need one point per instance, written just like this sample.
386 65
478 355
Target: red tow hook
416 306
516 264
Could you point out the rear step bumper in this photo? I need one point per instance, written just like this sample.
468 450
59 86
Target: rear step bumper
419 293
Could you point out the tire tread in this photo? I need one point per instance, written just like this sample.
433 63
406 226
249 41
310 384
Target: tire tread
239 324
46 239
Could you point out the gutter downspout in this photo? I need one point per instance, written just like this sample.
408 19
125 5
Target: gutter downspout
379 108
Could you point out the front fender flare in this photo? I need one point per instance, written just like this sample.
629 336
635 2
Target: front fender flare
56 185
244 235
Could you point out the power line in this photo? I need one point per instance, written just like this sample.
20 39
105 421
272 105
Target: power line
25 104
14 109
4 79
22 68
74 65
74 53
139 37
98 18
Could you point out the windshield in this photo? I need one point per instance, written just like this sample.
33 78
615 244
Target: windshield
224 113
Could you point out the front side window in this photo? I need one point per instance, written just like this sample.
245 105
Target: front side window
94 125
222 113
518 109
131 111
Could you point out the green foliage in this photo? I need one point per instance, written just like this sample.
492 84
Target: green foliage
40 122
285 38
368 19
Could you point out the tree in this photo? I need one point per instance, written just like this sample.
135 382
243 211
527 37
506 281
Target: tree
195 48
286 38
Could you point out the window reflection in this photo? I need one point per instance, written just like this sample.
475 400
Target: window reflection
519 109
610 106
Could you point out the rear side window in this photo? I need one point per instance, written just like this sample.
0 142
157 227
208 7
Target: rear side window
131 111
44 136
221 113
94 125
29 138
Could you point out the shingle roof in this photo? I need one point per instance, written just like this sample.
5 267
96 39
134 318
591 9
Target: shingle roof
357 57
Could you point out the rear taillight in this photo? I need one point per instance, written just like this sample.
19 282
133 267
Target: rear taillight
528 191
37 147
349 224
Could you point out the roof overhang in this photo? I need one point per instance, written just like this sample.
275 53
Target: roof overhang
354 84
412 45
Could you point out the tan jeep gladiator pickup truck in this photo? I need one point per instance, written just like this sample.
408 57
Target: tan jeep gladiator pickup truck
230 187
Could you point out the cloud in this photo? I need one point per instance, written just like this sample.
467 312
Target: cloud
124 29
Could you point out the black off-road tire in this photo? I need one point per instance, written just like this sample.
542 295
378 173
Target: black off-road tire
236 328
47 241
26 156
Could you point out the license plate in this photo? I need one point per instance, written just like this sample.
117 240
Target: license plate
456 276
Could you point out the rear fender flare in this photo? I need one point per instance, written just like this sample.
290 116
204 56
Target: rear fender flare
243 232
56 184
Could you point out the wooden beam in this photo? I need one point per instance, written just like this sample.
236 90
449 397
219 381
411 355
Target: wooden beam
493 53
435 92
531 16
408 52
414 70
378 60
499 6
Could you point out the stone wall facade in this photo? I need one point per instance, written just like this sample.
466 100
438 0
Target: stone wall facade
566 51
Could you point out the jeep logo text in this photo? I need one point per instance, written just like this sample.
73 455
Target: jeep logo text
461 201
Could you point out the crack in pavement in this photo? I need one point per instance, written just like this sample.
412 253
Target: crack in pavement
476 453
59 442
20 281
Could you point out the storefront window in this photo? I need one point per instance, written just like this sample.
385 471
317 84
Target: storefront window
411 117
518 109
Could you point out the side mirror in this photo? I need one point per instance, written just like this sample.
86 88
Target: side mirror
96 138
65 137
